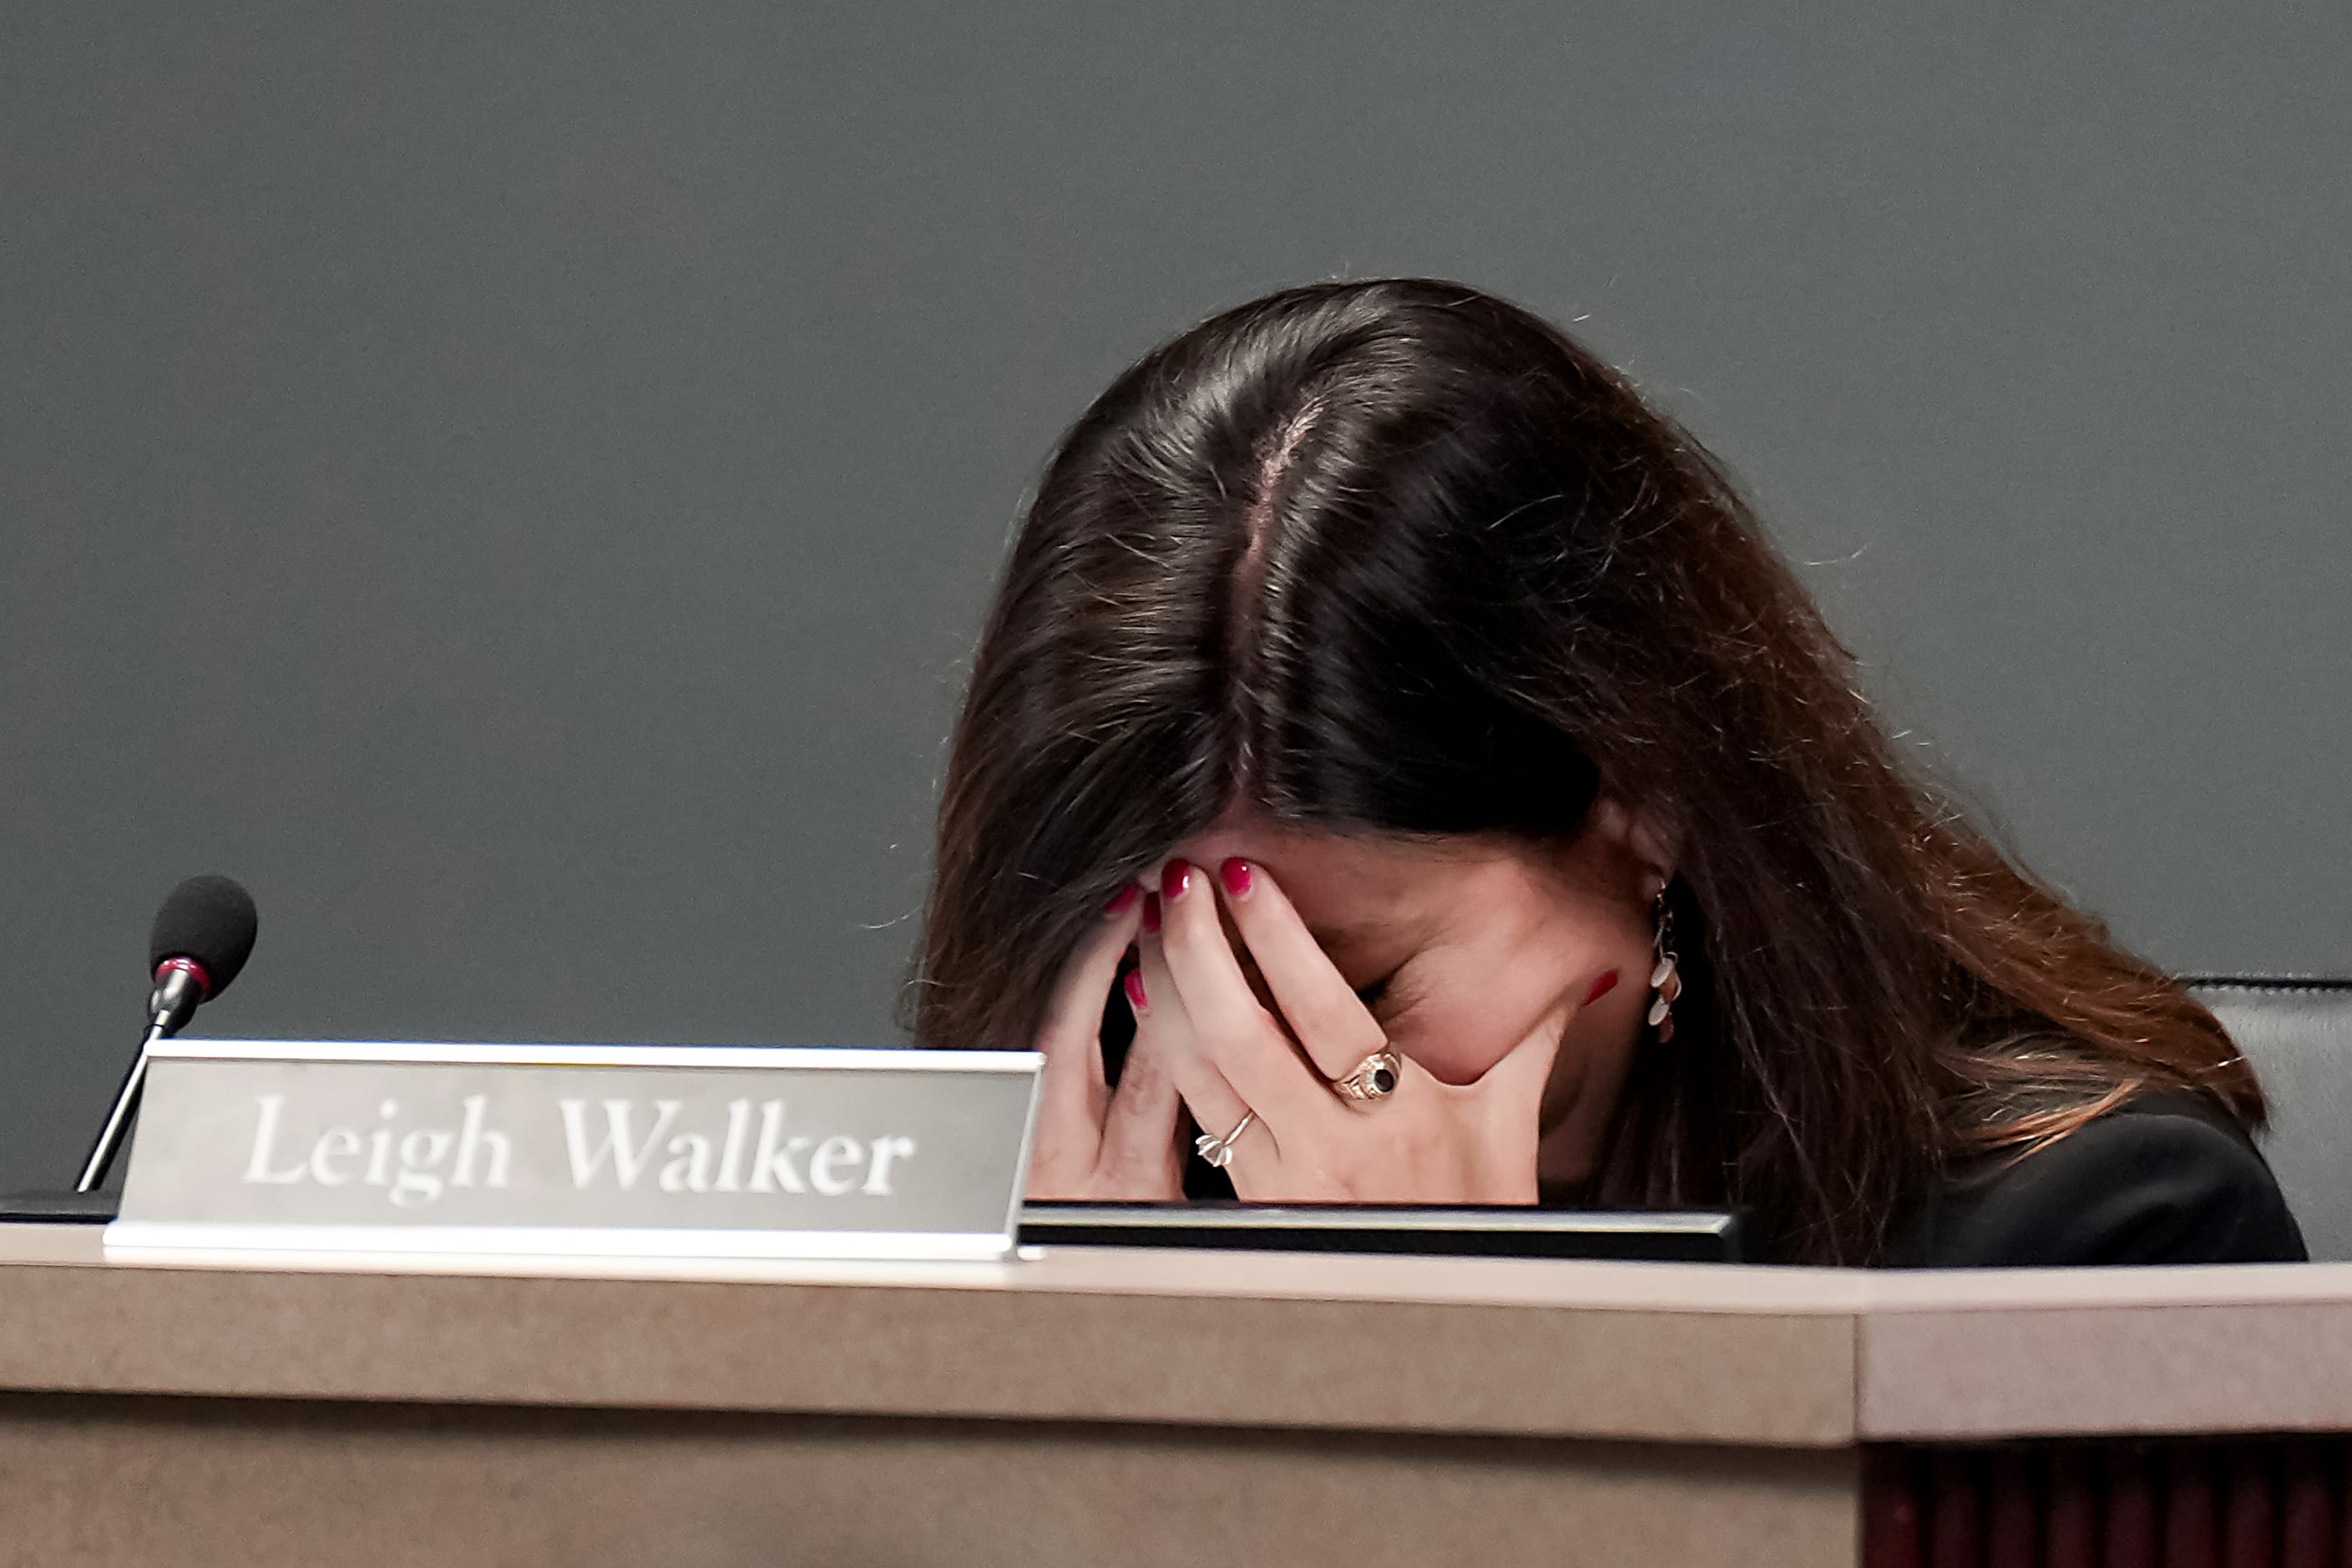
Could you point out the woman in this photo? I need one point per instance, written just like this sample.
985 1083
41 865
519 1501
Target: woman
1406 736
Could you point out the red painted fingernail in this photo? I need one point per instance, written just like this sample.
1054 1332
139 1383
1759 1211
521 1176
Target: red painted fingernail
1175 879
1602 987
1150 911
1236 875
1123 900
1135 991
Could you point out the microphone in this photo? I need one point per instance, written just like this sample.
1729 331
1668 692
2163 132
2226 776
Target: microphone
202 935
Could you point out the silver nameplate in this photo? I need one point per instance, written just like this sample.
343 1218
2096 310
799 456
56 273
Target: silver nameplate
649 1150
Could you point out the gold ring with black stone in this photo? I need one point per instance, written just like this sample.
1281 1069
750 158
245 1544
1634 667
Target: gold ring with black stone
1374 1078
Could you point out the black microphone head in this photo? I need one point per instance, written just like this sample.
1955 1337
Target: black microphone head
211 921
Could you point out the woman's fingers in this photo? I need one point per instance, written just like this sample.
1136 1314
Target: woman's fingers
1221 1012
1329 1019
1140 1153
1165 1025
1165 1033
1071 1101
1071 1033
1502 1112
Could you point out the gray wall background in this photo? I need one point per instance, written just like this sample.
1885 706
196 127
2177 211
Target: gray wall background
518 485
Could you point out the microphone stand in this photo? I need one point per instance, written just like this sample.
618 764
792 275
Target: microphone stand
179 986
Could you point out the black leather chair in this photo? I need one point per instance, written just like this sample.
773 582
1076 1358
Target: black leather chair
2298 1034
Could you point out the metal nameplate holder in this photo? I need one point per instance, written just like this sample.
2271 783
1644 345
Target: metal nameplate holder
578 1151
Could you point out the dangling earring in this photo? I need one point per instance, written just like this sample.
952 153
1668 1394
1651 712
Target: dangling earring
1665 981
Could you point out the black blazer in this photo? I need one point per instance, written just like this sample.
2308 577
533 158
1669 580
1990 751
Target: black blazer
2168 1178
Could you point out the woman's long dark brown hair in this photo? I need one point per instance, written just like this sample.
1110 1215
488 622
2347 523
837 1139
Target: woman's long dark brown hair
1398 556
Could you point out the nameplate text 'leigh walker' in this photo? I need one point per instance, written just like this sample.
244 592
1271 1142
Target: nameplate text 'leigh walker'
669 1151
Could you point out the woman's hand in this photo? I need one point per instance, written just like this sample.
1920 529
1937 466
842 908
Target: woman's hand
1427 1143
1093 1141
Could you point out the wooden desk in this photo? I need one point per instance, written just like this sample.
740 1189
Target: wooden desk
1077 1407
